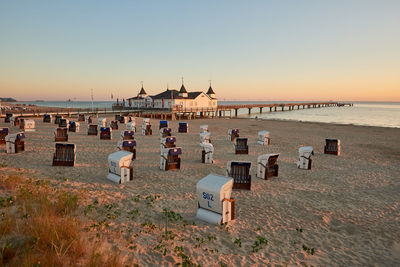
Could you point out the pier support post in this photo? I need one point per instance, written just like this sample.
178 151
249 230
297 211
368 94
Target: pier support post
236 112
275 109
260 109
270 109
249 111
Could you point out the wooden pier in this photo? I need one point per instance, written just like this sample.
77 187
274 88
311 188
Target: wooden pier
178 112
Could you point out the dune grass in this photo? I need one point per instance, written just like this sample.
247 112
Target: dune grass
40 226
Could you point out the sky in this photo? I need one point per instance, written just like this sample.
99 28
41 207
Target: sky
344 50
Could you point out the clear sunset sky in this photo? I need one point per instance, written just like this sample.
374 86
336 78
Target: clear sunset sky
252 50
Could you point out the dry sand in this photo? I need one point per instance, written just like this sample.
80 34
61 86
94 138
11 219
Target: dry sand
348 207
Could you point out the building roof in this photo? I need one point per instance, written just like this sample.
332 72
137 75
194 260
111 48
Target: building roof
168 94
142 92
210 91
183 89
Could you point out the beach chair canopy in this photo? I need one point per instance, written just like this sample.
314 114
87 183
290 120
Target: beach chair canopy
165 130
119 159
183 124
208 147
4 131
173 151
163 124
268 159
169 139
128 143
205 137
306 151
105 129
211 190
203 128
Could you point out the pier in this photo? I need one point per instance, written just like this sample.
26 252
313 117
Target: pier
178 112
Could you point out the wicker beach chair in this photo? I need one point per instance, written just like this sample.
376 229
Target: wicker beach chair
65 155
207 153
170 159
332 146
89 119
163 124
241 146
57 119
102 122
60 134
15 143
47 118
74 126
164 132
232 134
105 133
14 121
240 172
215 204
127 135
3 133
81 117
128 145
63 123
114 125
305 160
146 127
8 117
92 129
120 169
267 166
183 127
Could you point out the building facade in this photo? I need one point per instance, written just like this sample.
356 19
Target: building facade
174 99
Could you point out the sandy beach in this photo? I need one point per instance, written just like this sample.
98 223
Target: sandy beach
346 208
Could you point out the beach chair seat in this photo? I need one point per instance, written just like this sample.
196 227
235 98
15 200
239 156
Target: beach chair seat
127 135
214 202
168 141
164 132
28 125
131 126
146 127
88 119
81 117
183 127
105 133
102 122
120 169
47 118
240 172
128 145
332 146
267 166
74 126
305 160
65 155
57 119
241 146
163 124
3 133
63 123
92 129
170 159
203 128
205 137
263 138
207 153
8 117
60 134
114 125
232 134
15 143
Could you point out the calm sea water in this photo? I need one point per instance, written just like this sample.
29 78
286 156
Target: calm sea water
384 114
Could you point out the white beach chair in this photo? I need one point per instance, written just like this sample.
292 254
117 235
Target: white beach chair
214 203
207 153
267 166
263 138
232 134
88 119
305 154
203 128
170 159
15 143
205 137
120 169
14 121
102 122
29 125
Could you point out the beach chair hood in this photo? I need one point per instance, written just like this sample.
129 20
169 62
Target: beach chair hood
211 190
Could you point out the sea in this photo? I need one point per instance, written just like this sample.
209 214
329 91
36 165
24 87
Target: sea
382 114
